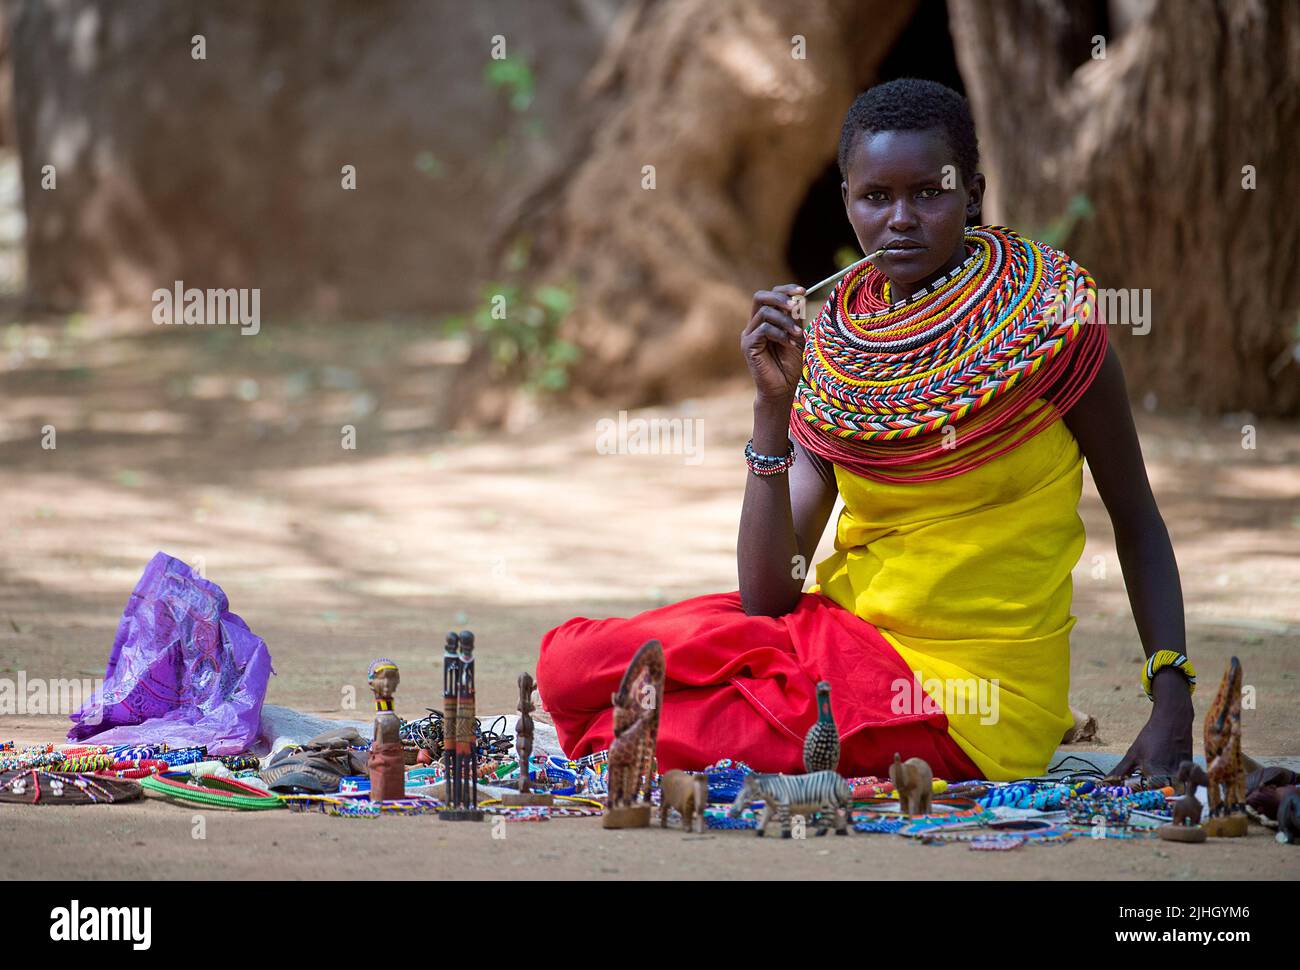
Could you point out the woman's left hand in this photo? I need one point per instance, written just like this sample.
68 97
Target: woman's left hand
1165 742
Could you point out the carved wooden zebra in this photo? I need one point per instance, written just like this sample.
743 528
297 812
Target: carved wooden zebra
783 795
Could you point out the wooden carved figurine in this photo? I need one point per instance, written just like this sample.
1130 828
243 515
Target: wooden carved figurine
636 730
1187 811
824 792
821 745
450 685
385 762
524 749
458 730
1227 777
914 782
1186 826
1192 776
686 792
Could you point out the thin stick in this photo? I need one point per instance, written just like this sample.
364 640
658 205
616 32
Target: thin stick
842 273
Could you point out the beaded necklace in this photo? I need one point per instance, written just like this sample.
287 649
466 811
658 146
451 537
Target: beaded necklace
1026 830
882 382
36 786
360 807
212 792
718 818
132 768
566 806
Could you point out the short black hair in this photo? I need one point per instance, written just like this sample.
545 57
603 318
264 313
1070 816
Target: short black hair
912 104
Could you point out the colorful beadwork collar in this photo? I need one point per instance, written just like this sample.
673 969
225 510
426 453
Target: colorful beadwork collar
884 382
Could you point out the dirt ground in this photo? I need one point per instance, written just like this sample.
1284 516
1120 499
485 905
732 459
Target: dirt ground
227 450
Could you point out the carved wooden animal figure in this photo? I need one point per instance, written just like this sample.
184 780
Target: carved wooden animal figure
821 746
914 782
686 792
786 795
1187 811
636 726
1227 780
1192 776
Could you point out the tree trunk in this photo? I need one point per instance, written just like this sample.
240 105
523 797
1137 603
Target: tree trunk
703 130
1156 135
228 170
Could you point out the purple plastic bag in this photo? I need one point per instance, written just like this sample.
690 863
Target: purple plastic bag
184 669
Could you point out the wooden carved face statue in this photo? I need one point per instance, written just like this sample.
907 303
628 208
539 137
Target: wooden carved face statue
383 678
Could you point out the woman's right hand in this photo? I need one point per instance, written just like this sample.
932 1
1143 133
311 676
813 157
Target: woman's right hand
773 342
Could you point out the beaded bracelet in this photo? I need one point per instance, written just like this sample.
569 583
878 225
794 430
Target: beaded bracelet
1168 658
186 756
133 768
765 465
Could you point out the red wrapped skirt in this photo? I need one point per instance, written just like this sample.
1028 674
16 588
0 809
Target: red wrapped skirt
744 687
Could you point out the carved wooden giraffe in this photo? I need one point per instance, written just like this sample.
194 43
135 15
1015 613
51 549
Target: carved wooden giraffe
1226 787
636 726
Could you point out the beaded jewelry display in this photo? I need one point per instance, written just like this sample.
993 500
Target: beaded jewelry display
949 813
32 759
997 843
566 806
718 818
187 756
1027 830
1112 831
362 806
141 768
140 752
726 778
426 733
879 825
212 792
88 763
925 825
36 786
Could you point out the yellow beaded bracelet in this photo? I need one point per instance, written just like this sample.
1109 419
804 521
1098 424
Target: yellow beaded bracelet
1168 658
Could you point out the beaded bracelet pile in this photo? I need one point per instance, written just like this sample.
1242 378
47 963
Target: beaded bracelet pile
133 768
726 778
88 763
186 756
719 818
765 465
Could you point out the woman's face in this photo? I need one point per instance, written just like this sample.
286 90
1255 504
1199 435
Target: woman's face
906 194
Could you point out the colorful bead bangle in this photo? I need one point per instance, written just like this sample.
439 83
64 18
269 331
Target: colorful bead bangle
765 465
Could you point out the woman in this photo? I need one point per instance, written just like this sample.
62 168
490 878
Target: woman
949 391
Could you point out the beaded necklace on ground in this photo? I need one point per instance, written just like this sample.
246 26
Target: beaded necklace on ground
882 383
